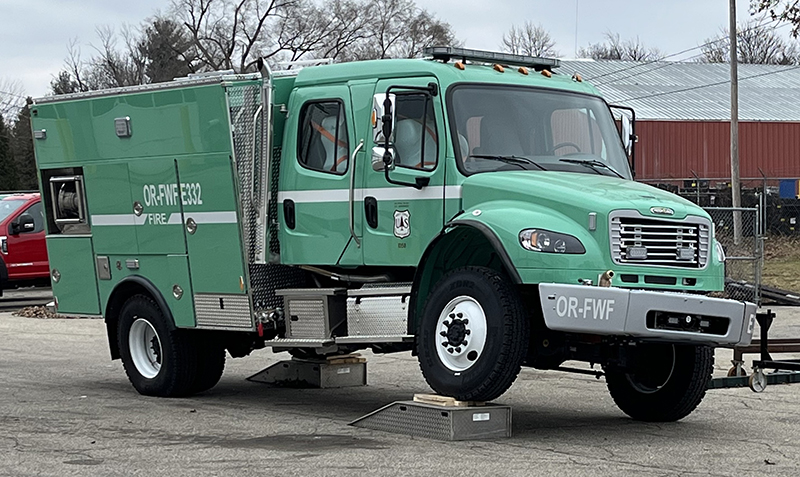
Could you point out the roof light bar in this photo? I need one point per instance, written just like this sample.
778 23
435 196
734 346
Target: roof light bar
447 53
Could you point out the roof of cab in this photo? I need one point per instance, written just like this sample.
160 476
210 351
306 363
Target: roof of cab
446 73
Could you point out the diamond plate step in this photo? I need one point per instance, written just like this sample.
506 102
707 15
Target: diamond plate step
336 373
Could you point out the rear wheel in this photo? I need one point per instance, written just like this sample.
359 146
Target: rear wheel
666 382
473 335
157 360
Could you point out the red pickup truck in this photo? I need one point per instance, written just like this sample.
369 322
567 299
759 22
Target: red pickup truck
23 252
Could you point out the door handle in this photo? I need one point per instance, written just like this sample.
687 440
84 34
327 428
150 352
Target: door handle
351 199
371 211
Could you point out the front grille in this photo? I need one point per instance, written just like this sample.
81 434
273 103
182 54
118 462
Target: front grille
645 241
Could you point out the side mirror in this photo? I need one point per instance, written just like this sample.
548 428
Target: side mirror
628 137
383 120
379 158
22 224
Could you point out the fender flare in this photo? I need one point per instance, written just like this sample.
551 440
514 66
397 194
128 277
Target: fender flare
151 289
487 232
117 298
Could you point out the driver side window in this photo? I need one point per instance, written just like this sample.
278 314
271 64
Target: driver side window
415 137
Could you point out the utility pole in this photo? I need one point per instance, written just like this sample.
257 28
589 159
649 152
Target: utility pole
736 195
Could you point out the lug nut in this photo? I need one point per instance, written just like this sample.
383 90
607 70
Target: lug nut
452 315
446 323
464 343
458 349
459 315
450 350
467 332
445 343
442 333
465 321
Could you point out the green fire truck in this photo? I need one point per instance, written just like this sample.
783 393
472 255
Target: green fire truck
475 208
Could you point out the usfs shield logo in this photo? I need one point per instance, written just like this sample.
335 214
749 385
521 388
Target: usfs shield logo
402 227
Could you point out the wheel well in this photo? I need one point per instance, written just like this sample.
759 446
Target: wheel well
128 287
463 246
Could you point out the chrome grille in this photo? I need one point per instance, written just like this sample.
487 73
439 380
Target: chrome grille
640 240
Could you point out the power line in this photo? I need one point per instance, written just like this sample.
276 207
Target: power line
13 94
718 83
708 43
671 63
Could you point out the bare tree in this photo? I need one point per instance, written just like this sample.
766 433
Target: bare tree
757 44
529 39
231 34
785 10
11 97
614 48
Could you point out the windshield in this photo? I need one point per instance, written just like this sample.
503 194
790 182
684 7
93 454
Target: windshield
7 207
515 128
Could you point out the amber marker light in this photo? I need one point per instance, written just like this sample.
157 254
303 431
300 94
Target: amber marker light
523 70
547 73
459 65
577 77
499 68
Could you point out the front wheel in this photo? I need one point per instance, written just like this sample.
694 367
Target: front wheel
665 383
473 335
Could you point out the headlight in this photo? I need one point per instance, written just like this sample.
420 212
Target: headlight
538 240
720 251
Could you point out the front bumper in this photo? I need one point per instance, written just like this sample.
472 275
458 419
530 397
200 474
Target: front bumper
648 315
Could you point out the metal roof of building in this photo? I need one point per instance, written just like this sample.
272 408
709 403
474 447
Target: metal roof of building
665 90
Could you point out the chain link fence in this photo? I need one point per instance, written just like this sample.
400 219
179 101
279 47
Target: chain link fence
739 231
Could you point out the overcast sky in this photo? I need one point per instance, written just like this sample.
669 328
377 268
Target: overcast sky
34 33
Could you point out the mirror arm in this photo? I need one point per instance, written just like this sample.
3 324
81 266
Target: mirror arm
419 182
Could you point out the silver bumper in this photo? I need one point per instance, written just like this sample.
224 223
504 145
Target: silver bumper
662 316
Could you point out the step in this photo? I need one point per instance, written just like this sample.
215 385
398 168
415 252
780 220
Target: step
443 420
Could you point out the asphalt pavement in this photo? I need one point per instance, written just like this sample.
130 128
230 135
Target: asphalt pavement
66 409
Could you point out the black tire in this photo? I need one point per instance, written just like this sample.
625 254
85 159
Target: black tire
210 364
175 355
492 371
666 384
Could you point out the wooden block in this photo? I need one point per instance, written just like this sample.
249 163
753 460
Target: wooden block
448 401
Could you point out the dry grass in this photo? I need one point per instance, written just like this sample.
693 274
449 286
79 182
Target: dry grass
782 263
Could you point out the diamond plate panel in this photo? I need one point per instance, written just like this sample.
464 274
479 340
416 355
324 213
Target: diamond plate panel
306 318
379 316
223 312
440 422
243 102
266 278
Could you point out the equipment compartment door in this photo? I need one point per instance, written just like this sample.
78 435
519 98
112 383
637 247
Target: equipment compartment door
75 277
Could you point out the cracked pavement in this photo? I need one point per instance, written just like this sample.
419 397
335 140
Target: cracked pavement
66 409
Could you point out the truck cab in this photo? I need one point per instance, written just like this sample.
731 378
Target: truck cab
23 251
475 208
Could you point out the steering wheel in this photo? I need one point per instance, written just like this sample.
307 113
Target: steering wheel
564 144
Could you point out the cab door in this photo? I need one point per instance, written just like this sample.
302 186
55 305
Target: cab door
26 251
401 220
315 176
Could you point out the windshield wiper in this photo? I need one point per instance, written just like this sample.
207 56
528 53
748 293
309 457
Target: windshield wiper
510 159
593 164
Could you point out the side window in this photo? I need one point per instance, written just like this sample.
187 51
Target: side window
322 143
416 140
37 213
